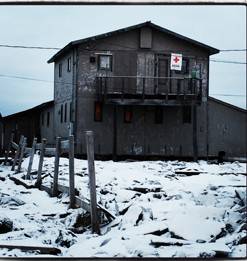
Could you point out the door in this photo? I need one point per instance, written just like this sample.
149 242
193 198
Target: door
162 70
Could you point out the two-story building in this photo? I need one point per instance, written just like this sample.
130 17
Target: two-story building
120 85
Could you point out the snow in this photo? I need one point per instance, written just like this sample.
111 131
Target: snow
158 213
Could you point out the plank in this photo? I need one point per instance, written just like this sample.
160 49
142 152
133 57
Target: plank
21 154
71 172
50 151
14 145
30 164
56 167
92 183
41 249
17 153
41 160
8 149
65 144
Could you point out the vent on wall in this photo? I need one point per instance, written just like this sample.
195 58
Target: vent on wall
146 37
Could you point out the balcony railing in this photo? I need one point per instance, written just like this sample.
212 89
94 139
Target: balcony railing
148 90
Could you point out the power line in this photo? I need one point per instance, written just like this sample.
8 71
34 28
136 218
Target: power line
225 61
233 50
29 47
221 94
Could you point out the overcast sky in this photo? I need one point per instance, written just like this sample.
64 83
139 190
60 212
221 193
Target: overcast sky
223 27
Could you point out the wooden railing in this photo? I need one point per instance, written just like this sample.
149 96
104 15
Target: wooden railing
148 88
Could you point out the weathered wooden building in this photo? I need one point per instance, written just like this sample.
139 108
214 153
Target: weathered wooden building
34 122
121 86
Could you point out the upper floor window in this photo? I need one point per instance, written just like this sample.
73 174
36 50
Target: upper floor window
105 62
60 70
69 64
65 112
61 113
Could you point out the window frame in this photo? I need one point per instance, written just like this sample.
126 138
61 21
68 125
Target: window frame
103 68
69 64
60 70
128 118
96 117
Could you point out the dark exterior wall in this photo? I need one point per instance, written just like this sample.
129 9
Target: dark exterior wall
26 124
142 136
1 136
227 130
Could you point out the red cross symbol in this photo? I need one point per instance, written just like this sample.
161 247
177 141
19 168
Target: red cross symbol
176 59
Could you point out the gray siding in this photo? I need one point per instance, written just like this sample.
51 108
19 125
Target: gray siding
227 130
47 130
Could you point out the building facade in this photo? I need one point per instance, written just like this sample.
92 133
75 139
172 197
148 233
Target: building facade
120 85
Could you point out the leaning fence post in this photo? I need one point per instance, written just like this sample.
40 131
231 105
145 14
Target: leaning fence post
56 166
71 172
41 160
31 158
8 149
17 152
92 185
23 146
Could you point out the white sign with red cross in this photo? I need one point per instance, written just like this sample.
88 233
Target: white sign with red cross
176 61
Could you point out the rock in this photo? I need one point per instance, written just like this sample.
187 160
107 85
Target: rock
242 240
6 225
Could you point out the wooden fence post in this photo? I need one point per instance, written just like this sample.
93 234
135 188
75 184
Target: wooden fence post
30 164
56 167
17 152
71 172
91 174
8 149
41 160
23 146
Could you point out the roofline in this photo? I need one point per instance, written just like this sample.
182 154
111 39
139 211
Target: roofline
227 104
210 49
40 106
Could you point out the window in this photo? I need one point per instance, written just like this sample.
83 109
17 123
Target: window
70 112
186 114
69 64
98 111
60 70
128 115
61 113
105 62
158 115
92 59
48 119
65 112
42 119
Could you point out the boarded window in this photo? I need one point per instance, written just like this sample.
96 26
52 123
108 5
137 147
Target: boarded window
69 64
48 119
65 112
128 115
98 112
61 113
186 114
158 115
105 62
60 70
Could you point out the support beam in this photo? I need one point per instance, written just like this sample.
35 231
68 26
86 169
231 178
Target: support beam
30 164
114 149
71 172
92 183
56 167
41 160
23 146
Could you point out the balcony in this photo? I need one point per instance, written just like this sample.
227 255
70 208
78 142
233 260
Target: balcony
139 90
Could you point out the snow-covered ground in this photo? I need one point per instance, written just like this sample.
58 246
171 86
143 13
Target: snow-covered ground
158 213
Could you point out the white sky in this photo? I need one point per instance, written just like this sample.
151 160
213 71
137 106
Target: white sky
222 27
